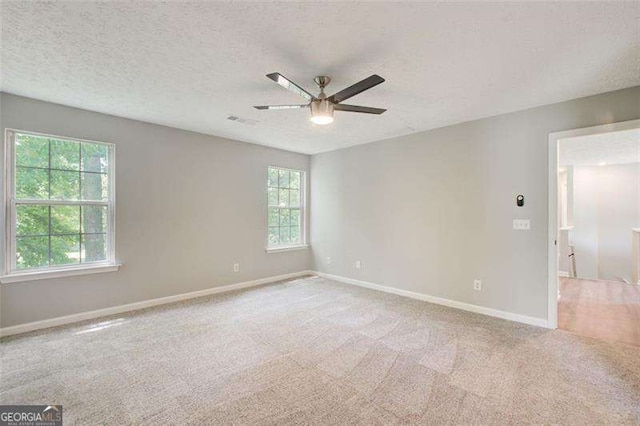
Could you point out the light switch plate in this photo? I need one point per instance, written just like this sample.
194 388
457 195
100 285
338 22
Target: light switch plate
521 224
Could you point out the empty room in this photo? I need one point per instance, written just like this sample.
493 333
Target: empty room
325 213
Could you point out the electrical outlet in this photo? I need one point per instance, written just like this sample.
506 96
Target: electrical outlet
477 285
358 264
236 267
328 261
521 224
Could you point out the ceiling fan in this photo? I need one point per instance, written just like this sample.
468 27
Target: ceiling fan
322 107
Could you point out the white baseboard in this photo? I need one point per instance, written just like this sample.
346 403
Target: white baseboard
563 274
441 301
68 319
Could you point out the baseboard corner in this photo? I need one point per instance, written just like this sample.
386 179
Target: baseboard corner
510 316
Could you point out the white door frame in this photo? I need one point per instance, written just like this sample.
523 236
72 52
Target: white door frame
552 309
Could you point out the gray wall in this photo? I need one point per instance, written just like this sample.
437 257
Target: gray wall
584 235
427 212
606 208
430 212
188 206
618 212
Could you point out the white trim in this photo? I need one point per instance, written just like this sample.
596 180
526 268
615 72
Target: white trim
47 274
552 255
563 274
64 202
69 319
287 248
9 166
540 322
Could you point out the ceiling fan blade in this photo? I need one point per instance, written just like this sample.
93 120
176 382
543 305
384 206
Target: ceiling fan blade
355 108
359 87
290 85
281 106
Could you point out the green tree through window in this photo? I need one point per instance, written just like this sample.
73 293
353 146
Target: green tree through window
61 201
285 195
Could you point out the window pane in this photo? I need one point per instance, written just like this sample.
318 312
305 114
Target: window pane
284 235
294 180
65 154
284 191
283 198
95 157
284 178
273 196
65 185
94 248
295 235
273 217
274 235
273 177
284 217
294 219
32 252
32 183
32 220
32 151
94 219
51 168
294 195
65 250
65 220
95 186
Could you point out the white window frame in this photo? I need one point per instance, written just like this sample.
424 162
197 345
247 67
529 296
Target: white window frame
303 214
11 273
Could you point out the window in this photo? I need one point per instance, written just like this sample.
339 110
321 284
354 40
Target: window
61 203
285 189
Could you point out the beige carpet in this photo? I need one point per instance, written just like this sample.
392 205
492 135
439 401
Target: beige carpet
313 351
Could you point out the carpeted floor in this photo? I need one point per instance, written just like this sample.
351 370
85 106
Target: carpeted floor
313 351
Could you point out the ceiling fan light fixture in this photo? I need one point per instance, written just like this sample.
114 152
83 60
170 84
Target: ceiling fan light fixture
321 112
322 119
321 106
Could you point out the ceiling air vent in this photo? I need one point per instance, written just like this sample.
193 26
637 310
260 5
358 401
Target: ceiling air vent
242 120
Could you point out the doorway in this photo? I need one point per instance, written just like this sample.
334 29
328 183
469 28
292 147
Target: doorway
594 230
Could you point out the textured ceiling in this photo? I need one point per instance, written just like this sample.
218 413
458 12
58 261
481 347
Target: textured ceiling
191 64
606 148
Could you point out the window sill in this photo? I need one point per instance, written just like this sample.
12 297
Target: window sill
287 248
57 273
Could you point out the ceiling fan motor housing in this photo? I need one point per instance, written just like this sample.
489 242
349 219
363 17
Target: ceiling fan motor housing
321 111
321 107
